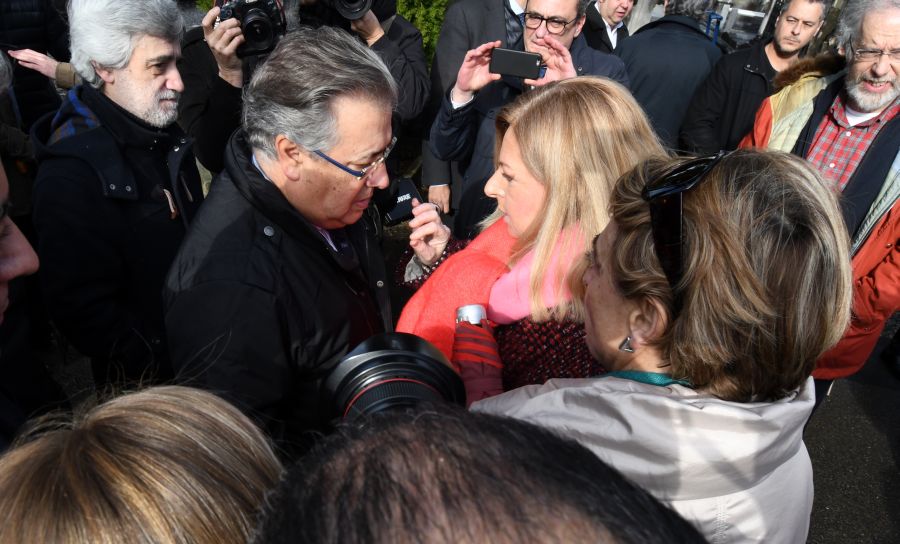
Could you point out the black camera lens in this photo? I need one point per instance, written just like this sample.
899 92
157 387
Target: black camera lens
351 9
257 30
391 371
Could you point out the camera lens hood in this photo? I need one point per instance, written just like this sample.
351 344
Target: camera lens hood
391 371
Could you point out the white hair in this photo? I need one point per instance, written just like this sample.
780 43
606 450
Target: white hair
103 32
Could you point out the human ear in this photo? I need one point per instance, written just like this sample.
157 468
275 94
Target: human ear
648 320
108 76
290 157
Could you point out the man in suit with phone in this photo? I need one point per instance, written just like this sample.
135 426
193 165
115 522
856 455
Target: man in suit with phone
464 127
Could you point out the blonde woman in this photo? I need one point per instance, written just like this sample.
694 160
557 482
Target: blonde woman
560 149
165 465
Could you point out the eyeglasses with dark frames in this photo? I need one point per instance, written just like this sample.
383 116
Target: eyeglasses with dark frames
361 174
555 25
871 55
664 197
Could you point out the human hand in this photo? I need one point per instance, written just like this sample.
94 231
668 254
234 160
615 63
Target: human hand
440 196
558 62
38 62
474 73
368 28
223 41
429 235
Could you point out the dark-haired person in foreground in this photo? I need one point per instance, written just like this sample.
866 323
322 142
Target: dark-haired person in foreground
444 475
704 300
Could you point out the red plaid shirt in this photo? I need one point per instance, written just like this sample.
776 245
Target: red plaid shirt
838 148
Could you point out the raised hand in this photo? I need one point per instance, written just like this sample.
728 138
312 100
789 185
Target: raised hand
429 235
558 62
223 40
474 73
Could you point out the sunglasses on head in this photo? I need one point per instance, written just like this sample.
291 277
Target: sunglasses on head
666 221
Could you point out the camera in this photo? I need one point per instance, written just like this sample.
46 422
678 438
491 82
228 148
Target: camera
262 23
350 9
391 371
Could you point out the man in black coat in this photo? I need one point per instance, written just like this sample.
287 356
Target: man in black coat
116 187
280 275
723 107
464 127
605 27
666 61
214 75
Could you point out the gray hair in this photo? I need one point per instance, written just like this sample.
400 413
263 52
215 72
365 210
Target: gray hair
103 33
6 71
293 92
689 8
852 16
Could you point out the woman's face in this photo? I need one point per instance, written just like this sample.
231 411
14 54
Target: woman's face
520 196
606 323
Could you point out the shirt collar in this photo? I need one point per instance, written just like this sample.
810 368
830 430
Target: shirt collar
515 7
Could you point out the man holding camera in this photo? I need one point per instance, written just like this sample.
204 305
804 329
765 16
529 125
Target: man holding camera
280 275
464 127
214 75
116 187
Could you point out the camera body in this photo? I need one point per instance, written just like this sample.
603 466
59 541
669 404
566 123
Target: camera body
262 23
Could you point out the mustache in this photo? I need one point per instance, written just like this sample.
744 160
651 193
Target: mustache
168 94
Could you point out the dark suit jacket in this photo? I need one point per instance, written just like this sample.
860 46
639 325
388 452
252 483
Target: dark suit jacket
467 24
594 31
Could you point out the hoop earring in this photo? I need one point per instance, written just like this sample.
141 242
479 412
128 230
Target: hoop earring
626 345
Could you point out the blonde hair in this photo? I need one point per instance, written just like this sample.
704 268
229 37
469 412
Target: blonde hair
766 284
576 138
164 465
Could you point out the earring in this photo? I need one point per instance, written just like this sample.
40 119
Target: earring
626 345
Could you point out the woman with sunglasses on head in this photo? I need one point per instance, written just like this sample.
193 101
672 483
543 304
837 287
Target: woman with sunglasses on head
560 149
709 296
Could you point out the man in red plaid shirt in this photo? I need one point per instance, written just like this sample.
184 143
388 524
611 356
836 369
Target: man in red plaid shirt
847 125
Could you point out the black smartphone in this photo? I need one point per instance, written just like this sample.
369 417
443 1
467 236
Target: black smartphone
515 63
402 206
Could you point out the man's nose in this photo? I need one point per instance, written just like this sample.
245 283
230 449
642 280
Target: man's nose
174 81
379 178
17 258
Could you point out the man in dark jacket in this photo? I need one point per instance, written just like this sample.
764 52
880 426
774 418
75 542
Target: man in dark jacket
605 27
464 127
116 186
722 110
666 60
279 277
214 74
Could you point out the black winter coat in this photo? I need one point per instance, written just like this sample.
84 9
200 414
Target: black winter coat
666 60
724 106
107 231
260 308
33 24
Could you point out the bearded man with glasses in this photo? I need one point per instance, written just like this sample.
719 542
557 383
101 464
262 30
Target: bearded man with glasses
281 275
464 127
847 125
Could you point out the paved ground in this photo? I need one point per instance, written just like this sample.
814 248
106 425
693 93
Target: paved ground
854 442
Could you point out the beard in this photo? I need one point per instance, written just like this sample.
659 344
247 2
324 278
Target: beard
866 101
162 114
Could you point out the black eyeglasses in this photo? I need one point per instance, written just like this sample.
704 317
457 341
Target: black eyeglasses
555 25
666 221
361 174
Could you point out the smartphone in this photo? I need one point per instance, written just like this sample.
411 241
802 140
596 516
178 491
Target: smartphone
402 205
515 63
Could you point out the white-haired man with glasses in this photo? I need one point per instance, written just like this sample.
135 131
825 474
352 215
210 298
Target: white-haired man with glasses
464 127
280 275
847 125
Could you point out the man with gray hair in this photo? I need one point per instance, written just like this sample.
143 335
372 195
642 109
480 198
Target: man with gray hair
280 275
846 122
666 61
116 187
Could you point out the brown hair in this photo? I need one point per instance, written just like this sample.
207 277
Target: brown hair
169 464
576 137
766 287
